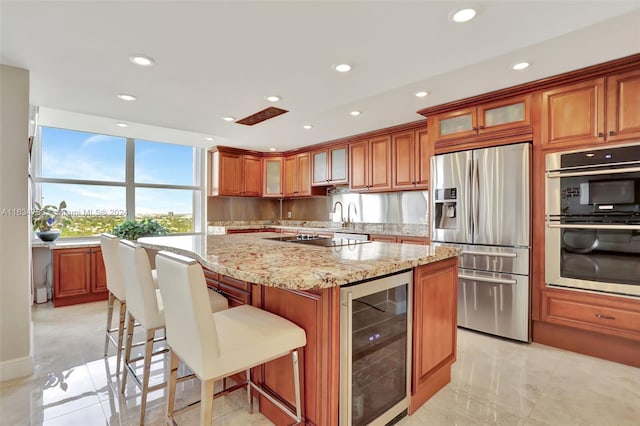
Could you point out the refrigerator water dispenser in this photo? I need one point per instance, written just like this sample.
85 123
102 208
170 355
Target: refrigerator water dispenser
445 208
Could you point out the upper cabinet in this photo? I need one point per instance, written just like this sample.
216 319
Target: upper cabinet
273 177
330 166
623 106
411 155
574 115
297 175
370 164
470 122
235 174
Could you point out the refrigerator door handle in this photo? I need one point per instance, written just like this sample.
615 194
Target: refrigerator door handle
488 253
487 279
476 205
469 201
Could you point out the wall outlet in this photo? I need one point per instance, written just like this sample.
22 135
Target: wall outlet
288 215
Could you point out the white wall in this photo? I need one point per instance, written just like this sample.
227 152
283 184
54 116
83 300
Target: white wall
15 274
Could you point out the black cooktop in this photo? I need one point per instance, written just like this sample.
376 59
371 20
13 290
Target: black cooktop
314 240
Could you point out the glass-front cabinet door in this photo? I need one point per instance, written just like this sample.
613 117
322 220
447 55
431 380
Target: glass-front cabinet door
330 166
272 177
320 169
457 124
338 165
514 112
490 117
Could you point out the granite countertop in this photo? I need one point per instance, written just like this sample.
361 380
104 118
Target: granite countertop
413 230
65 243
252 258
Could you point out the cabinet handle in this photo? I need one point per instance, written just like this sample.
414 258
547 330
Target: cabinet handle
600 135
612 133
608 317
474 128
480 127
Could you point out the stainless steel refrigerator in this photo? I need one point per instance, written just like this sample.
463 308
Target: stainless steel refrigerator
480 202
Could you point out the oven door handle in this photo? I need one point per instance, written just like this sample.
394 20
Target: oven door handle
604 226
487 279
488 253
558 174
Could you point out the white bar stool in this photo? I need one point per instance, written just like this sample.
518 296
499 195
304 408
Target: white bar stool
220 344
145 304
115 285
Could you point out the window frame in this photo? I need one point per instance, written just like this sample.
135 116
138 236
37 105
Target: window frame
198 188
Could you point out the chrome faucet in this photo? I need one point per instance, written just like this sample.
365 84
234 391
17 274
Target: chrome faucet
355 212
341 211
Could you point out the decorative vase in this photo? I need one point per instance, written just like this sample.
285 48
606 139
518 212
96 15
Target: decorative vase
48 236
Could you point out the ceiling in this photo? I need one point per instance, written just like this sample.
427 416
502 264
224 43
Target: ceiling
215 59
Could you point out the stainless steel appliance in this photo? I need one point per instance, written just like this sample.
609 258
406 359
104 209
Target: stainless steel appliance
375 350
480 203
592 234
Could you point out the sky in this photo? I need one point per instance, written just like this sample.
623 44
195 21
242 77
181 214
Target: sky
85 156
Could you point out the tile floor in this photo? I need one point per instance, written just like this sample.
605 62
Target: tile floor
494 381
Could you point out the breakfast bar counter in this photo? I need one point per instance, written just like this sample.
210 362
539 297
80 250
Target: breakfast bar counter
258 258
306 282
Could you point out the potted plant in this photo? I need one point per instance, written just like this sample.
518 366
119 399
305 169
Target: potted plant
48 220
132 230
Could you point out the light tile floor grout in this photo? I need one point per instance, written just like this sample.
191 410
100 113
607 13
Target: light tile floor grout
494 382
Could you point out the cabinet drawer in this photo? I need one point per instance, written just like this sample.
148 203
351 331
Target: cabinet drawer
242 285
209 275
594 317
233 293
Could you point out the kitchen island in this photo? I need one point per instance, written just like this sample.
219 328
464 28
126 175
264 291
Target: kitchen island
302 283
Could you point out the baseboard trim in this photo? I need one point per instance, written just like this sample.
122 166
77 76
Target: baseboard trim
598 345
16 368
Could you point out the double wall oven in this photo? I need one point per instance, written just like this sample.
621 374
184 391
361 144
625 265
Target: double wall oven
592 233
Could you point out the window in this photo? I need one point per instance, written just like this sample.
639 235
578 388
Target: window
106 180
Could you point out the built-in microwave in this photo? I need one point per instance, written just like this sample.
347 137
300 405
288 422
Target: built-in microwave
592 235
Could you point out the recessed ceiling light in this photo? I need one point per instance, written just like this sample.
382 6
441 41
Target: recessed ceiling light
307 126
463 15
520 66
422 94
272 98
229 118
142 60
126 97
121 124
355 113
591 154
343 67
272 149
208 138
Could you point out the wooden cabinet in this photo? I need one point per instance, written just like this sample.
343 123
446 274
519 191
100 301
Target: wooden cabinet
235 174
486 118
297 175
330 166
273 177
623 106
617 317
574 115
383 238
78 276
370 164
236 291
318 313
402 239
411 155
435 319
